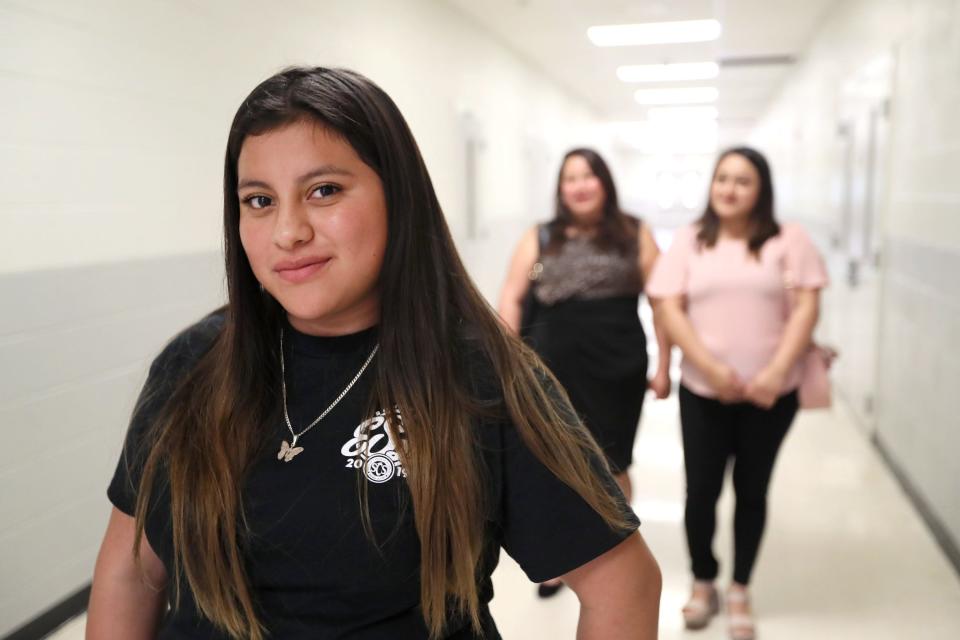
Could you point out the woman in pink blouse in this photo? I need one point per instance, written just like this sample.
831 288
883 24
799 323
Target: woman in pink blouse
723 287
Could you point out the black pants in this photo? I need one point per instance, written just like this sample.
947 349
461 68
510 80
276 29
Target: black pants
713 434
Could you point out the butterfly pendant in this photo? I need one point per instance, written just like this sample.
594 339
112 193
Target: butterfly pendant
288 452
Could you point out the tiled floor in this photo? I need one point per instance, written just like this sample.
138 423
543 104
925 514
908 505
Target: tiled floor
844 558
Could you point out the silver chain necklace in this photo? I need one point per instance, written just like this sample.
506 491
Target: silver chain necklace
289 450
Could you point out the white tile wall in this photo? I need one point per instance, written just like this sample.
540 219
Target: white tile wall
912 359
113 145
74 349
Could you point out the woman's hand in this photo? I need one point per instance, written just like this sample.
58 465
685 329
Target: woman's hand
766 387
726 383
660 383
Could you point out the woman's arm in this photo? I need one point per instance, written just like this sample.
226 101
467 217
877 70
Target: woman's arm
518 280
125 602
649 252
722 378
619 593
767 386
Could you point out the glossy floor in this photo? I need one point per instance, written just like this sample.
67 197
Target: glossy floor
845 556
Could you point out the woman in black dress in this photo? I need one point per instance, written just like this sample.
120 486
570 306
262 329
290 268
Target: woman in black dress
587 268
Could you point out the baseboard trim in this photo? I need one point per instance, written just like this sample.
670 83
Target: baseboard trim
941 534
53 618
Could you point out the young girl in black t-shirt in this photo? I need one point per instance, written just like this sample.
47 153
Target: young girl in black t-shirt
343 449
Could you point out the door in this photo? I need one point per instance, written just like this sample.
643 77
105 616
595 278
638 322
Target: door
863 134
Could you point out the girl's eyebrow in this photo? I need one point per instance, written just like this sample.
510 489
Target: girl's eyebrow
325 170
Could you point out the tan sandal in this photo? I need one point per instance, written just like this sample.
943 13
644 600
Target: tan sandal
741 625
704 603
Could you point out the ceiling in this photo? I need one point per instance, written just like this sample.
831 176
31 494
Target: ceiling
551 35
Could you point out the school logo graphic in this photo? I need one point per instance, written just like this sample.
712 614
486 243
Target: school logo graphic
372 448
379 468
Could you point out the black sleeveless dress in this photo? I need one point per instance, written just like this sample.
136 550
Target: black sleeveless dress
587 330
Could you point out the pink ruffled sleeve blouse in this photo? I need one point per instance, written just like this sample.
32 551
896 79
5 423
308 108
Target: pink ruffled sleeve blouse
737 304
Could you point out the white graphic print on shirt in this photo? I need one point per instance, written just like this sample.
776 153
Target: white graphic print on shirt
372 449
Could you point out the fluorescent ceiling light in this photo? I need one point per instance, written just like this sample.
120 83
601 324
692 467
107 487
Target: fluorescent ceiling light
668 72
623 35
682 113
685 95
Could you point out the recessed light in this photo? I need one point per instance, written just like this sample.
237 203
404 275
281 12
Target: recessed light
625 35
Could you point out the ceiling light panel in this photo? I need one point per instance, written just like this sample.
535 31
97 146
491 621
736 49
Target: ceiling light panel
685 71
626 35
685 95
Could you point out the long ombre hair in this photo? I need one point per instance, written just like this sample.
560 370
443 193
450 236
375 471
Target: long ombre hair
763 223
616 229
431 315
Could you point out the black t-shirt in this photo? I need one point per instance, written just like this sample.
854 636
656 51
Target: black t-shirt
314 572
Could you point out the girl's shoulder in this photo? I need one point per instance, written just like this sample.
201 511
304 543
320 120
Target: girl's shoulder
686 236
187 347
793 232
795 238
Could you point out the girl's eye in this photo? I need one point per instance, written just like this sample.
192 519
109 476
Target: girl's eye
258 202
325 190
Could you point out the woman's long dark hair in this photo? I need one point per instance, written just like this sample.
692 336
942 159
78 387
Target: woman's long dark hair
616 229
763 223
210 430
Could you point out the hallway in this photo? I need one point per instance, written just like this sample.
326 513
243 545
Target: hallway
112 149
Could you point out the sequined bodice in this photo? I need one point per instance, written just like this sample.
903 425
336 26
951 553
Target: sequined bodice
584 271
